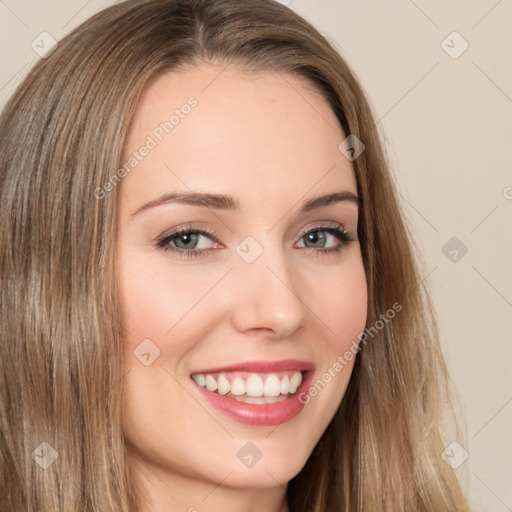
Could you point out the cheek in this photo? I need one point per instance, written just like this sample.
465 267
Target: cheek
341 303
156 297
341 306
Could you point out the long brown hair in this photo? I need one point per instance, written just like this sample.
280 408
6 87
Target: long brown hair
62 135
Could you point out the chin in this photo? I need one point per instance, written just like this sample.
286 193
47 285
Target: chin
262 476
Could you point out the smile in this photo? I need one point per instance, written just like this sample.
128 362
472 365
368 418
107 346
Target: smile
253 388
256 393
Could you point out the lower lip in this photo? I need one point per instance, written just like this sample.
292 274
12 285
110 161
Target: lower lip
260 414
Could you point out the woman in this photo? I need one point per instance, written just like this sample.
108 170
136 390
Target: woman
209 297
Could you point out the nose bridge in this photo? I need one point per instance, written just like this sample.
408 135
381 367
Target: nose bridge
267 290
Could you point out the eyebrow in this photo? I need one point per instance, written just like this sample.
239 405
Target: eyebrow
222 202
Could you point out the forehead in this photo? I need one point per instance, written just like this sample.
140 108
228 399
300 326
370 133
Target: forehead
224 129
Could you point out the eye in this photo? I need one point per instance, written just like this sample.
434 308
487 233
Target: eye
192 242
325 239
188 242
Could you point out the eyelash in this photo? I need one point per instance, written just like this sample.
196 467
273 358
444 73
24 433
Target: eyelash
334 229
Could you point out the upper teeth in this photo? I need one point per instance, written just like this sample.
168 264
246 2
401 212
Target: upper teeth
253 385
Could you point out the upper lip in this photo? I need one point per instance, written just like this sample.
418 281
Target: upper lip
262 366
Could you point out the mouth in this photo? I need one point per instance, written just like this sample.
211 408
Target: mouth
251 388
257 393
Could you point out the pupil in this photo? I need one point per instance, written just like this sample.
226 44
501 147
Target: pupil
187 238
316 236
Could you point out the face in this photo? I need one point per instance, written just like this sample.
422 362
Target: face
239 292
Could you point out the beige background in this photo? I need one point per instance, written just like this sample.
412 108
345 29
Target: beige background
448 128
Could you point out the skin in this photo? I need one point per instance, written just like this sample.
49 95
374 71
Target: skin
270 141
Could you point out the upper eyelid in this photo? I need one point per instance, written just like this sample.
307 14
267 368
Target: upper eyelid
324 225
187 229
206 231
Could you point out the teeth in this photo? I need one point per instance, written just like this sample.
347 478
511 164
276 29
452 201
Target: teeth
253 389
272 386
254 386
260 399
237 386
199 378
285 385
223 385
211 383
295 382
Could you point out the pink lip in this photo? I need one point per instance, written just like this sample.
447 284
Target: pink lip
261 414
263 366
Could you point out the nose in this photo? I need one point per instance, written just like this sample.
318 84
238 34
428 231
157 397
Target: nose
266 295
